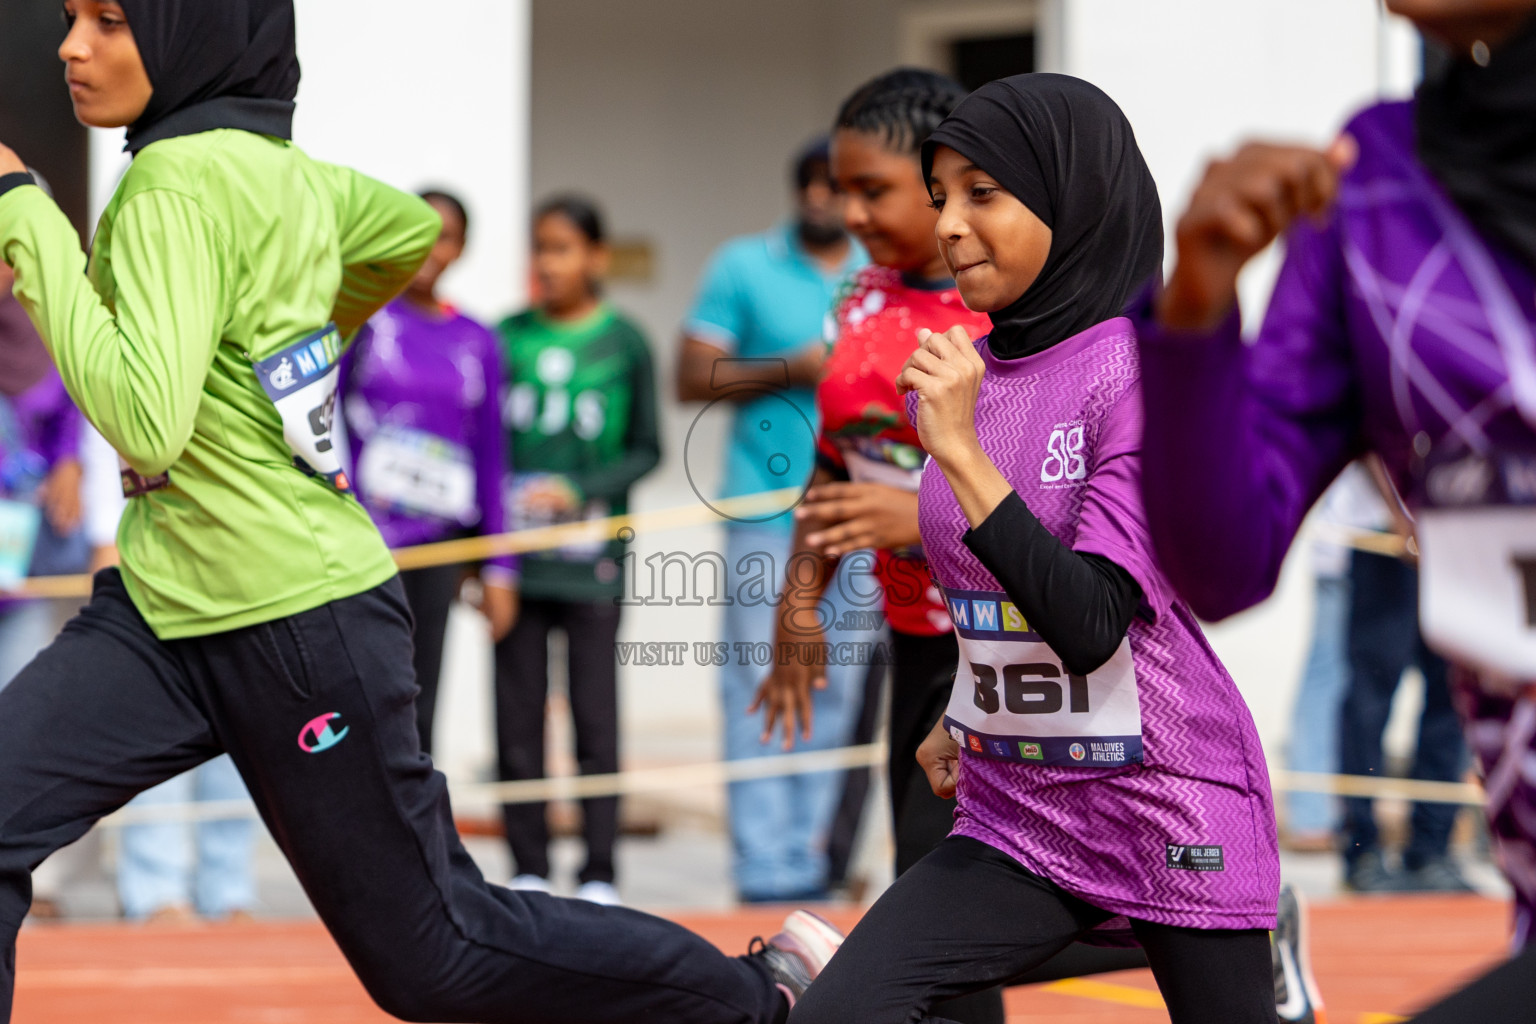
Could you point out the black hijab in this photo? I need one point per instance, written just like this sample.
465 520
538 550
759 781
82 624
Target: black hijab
1477 135
215 64
1068 153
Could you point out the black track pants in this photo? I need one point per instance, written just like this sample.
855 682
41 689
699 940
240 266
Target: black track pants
430 593
317 711
1505 995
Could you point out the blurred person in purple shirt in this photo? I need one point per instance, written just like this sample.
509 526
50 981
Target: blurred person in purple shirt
40 467
420 398
1403 323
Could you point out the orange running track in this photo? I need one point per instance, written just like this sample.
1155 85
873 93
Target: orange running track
1374 958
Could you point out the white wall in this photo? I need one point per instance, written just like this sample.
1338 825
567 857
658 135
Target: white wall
680 117
415 95
424 94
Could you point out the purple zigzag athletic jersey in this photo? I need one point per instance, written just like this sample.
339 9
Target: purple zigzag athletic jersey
1184 835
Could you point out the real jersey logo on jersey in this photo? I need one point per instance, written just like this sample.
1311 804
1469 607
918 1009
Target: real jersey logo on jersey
1064 460
1182 857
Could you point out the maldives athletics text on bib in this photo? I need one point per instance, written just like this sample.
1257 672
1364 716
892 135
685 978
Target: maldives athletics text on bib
1476 530
301 381
1013 700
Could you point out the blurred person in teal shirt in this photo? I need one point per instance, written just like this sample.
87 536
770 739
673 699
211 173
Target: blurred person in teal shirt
753 347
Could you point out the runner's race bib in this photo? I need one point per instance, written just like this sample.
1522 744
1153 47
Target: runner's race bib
1013 700
864 470
1476 510
419 473
526 517
19 525
1476 528
301 382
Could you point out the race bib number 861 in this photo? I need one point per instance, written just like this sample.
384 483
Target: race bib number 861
1013 700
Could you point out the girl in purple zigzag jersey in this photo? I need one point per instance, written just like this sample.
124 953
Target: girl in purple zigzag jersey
1109 778
1403 323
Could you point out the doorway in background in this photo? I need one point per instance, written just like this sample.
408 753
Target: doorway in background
976 42
36 118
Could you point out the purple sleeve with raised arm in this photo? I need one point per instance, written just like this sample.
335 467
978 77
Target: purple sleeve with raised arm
1242 439
50 420
492 464
344 390
64 435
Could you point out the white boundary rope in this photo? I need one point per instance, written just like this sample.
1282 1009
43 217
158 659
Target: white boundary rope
477 549
717 773
650 780
567 787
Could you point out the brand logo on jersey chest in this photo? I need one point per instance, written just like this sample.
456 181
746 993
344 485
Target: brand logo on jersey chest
1064 462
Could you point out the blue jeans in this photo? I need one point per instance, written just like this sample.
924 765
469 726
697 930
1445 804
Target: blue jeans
779 826
1315 716
159 867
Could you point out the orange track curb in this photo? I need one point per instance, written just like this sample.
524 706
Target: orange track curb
1373 958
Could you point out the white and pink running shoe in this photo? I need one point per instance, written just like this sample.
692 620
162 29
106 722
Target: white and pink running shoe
797 954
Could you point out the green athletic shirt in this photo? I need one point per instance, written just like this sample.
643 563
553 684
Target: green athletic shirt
217 249
580 402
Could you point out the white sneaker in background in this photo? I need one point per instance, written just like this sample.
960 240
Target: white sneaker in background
531 883
599 892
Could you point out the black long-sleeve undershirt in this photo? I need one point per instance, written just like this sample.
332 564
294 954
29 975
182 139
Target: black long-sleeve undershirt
1079 604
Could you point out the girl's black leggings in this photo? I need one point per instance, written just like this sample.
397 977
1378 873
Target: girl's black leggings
967 917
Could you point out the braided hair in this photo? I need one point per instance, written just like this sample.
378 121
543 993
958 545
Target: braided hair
901 107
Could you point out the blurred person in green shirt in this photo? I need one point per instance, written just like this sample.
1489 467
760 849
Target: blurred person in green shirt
580 413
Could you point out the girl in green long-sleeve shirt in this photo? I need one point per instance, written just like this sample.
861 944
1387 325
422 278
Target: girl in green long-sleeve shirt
257 611
580 415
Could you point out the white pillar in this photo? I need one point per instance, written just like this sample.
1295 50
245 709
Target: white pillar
416 95
430 94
